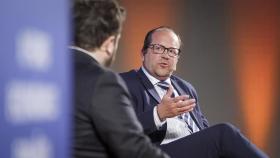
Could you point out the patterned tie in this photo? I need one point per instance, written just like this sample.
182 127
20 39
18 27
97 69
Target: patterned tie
186 117
190 122
164 85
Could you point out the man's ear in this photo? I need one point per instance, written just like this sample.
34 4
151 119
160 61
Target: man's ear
108 45
142 54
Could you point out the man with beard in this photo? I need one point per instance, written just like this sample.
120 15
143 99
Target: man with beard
167 106
105 124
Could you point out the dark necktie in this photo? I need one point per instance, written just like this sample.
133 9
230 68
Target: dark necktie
164 85
187 118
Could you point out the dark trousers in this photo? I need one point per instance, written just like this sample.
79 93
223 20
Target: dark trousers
219 141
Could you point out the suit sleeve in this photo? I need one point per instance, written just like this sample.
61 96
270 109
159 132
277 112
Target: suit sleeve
115 120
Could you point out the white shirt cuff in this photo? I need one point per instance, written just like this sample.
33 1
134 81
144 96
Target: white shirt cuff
158 123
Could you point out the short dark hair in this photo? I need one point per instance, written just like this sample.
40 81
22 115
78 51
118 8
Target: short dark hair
95 21
148 37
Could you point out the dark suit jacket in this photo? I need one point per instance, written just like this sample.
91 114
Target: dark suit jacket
105 124
145 98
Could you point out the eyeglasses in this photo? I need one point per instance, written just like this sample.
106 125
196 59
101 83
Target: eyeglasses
160 49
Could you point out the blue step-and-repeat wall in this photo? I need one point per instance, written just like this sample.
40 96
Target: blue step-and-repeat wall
35 79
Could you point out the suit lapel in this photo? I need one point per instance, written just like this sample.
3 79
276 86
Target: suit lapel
148 85
177 87
182 92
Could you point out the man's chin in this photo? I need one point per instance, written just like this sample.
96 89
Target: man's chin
163 75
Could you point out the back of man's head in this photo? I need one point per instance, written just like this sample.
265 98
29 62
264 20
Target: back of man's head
96 20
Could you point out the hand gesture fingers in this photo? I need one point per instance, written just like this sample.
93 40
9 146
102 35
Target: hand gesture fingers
175 108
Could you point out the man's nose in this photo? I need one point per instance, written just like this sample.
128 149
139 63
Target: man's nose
165 54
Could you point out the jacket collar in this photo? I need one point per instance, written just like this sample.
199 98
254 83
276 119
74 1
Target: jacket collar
148 85
151 89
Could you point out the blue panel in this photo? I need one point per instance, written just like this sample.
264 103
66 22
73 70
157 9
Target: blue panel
35 79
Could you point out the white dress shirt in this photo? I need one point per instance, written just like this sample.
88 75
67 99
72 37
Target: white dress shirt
176 128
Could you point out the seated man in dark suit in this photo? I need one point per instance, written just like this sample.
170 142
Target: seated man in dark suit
167 106
105 124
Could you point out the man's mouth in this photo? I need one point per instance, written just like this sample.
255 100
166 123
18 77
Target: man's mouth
163 64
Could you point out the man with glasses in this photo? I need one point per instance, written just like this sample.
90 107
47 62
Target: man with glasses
168 108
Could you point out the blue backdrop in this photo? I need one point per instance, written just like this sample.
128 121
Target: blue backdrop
35 79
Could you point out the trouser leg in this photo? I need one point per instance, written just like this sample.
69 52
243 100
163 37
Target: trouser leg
236 145
222 140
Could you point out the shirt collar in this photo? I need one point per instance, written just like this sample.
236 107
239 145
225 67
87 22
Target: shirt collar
82 50
152 79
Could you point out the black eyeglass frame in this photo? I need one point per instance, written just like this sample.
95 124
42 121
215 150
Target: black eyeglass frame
152 46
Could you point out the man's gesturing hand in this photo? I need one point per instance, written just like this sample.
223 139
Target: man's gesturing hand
170 107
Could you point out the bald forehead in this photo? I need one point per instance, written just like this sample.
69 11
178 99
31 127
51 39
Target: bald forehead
167 35
166 32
